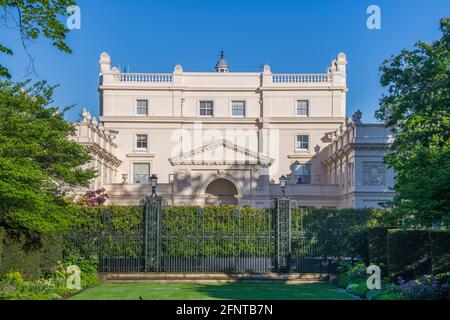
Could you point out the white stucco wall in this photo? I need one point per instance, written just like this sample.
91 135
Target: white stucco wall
269 129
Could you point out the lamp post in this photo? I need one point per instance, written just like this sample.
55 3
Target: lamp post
283 181
154 183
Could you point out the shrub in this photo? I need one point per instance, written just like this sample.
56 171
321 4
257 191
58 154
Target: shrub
352 274
30 253
88 268
14 287
21 252
378 247
2 235
408 253
389 291
425 288
360 289
14 278
349 226
440 251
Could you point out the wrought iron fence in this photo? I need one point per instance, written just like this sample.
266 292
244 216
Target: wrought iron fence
220 241
157 238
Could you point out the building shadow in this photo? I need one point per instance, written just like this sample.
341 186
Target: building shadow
267 290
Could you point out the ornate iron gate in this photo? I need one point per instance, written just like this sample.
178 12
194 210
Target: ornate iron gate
211 249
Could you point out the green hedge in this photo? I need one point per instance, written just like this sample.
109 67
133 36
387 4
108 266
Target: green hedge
322 228
377 239
30 254
2 235
440 251
342 233
94 229
413 253
408 253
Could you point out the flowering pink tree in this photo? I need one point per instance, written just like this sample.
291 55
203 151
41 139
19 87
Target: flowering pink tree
95 198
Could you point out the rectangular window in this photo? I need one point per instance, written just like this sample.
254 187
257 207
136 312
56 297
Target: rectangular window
302 174
303 142
302 108
238 108
141 173
142 141
142 107
206 108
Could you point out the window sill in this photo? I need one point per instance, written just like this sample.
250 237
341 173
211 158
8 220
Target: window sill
140 154
299 155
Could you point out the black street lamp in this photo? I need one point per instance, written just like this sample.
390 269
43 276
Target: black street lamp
283 181
154 183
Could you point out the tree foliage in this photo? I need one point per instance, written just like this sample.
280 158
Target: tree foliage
39 164
95 198
35 19
416 107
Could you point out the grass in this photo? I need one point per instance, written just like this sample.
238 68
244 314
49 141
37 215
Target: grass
213 292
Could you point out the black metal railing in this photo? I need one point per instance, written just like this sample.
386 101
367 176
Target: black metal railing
157 238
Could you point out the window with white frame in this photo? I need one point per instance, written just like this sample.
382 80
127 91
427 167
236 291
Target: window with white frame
302 174
238 108
206 109
302 109
142 107
302 142
142 141
141 173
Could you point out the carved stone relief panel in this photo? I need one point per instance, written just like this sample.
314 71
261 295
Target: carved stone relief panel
374 173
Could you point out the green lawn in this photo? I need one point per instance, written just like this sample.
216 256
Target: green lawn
213 292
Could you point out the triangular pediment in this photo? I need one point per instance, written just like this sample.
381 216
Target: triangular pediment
221 152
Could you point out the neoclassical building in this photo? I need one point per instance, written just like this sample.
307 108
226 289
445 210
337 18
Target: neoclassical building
227 137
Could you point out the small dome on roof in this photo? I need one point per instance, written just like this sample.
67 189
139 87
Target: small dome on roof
222 64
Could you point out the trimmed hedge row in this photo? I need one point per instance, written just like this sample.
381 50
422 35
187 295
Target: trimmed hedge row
440 251
2 235
227 231
378 246
32 255
410 253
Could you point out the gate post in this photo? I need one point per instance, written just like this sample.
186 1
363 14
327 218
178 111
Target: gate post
152 234
283 234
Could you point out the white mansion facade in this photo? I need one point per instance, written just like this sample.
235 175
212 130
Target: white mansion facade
227 137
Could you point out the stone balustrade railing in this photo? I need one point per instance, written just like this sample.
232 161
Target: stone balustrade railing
301 78
168 78
145 77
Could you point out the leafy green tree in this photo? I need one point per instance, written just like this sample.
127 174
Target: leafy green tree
416 106
34 19
39 164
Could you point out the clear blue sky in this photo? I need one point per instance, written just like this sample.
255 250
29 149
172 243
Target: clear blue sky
292 36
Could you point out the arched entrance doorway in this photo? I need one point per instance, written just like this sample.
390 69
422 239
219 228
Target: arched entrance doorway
221 191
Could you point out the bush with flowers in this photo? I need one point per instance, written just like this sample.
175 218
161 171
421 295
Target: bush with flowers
52 287
353 278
